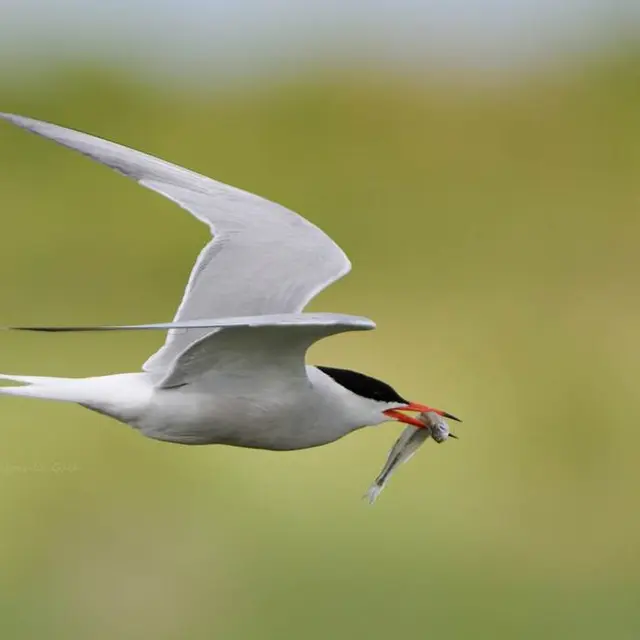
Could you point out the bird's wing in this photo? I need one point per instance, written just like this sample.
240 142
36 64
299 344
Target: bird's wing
237 346
263 259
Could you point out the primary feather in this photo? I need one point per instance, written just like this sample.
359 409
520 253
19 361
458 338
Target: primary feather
263 259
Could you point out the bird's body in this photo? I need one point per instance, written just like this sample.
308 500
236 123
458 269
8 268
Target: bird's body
261 412
232 370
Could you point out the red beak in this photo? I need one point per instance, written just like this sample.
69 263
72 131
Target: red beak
421 408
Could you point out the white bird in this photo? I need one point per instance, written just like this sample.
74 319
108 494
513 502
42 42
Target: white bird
232 370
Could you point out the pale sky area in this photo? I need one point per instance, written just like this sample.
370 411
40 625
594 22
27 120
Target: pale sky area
239 37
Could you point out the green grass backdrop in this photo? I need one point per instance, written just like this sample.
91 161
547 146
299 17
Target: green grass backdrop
494 232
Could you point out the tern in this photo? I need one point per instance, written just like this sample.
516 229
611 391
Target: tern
233 367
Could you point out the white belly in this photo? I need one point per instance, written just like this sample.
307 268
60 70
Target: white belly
256 421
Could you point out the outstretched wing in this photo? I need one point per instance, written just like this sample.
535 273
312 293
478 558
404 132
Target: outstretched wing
240 346
264 258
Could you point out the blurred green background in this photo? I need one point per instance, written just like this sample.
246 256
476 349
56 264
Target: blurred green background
494 233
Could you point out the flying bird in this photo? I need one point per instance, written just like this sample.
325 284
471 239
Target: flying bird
232 369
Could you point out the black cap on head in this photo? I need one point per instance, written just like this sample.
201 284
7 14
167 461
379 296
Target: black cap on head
364 386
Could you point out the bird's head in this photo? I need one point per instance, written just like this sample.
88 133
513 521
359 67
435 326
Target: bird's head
382 397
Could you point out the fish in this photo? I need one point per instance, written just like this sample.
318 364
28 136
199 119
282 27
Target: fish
405 447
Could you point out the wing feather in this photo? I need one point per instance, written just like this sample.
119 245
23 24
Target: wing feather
274 345
263 259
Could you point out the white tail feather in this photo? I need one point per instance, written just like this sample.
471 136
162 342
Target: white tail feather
124 396
45 388
125 391
32 379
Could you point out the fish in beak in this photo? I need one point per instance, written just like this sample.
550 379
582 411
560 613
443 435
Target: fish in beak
395 414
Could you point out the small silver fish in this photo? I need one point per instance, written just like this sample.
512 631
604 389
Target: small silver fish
410 440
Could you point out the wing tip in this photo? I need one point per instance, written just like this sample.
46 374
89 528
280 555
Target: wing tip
45 329
362 321
64 329
14 118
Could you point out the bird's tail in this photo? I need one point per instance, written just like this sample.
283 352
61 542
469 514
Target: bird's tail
124 396
43 387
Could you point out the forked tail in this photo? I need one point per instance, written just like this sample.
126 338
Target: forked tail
43 387
124 396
